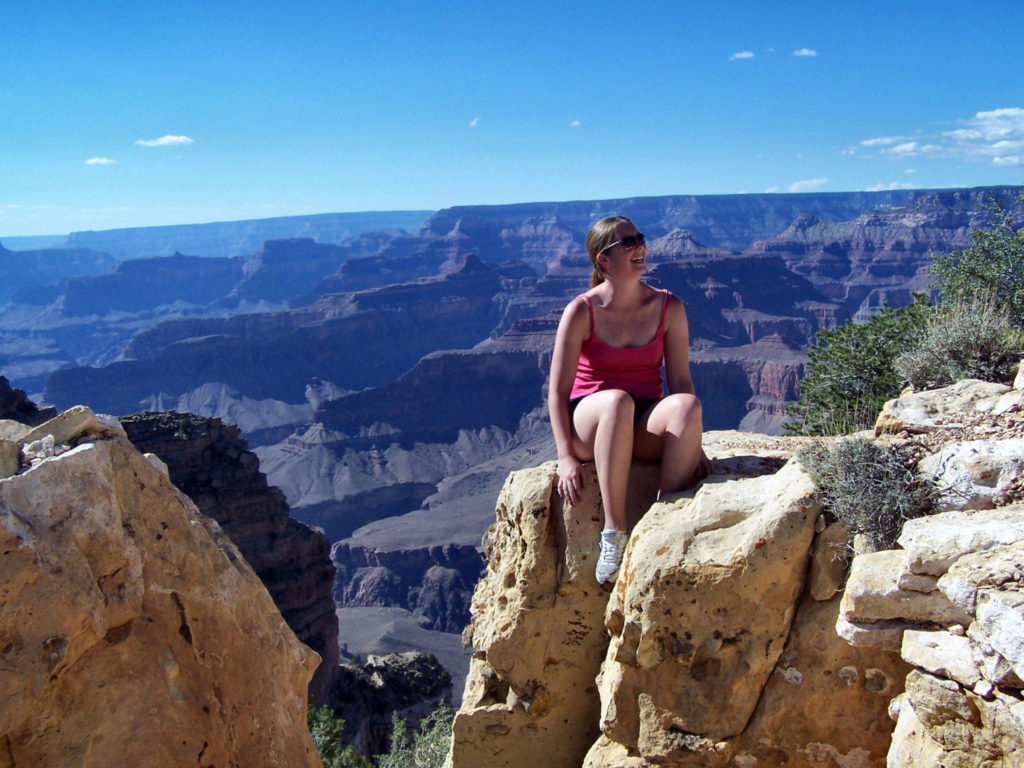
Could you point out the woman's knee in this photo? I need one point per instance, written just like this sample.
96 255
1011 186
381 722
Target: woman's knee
686 409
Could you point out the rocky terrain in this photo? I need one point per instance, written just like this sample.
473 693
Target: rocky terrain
390 381
211 464
730 639
134 632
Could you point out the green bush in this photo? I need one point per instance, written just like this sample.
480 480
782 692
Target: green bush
992 266
327 730
426 748
851 372
872 488
963 339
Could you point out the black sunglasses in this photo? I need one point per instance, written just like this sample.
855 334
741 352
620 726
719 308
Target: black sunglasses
629 242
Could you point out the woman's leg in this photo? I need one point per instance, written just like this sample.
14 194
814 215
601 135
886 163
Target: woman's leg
671 431
603 424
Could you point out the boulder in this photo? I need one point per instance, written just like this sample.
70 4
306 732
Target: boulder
976 474
133 631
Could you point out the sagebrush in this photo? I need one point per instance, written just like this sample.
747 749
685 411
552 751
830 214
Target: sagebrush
965 338
872 488
427 747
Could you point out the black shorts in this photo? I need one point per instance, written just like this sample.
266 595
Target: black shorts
640 405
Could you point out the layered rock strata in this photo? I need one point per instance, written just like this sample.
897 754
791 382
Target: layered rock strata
950 601
134 632
211 463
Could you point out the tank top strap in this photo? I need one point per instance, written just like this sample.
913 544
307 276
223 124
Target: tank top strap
664 309
590 308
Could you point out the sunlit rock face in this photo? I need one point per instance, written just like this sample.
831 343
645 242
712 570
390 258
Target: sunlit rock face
134 631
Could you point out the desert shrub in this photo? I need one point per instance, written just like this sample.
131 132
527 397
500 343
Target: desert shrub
991 266
872 488
966 338
851 371
426 747
327 730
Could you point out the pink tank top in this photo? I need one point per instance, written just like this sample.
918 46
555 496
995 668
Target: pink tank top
636 370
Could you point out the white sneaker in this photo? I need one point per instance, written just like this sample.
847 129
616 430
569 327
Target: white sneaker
613 544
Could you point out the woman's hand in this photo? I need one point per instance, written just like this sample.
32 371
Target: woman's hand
571 479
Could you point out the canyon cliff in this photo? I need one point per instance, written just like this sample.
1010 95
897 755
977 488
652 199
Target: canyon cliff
324 353
729 638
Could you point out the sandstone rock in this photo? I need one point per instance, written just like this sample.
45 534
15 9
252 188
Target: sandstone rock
135 634
12 430
76 424
10 458
941 654
830 556
537 630
975 474
873 594
706 595
938 408
209 461
956 728
1018 381
934 543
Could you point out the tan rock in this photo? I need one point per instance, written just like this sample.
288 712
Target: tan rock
934 543
957 728
826 702
873 594
941 653
830 557
912 747
538 627
133 632
703 604
919 412
74 425
10 458
1018 381
12 430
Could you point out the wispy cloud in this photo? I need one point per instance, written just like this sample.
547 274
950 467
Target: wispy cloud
165 141
996 136
807 185
882 187
741 55
100 161
474 121
805 52
575 124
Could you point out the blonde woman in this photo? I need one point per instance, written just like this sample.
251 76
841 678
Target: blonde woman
607 396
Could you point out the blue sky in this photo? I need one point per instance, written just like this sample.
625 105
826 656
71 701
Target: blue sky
121 114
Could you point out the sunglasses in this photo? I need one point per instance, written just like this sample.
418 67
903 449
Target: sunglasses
629 242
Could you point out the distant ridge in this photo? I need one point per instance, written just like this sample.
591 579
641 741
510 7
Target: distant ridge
239 238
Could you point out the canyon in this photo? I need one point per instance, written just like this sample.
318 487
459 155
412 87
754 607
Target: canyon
389 380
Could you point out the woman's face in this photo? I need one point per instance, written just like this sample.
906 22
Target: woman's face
628 255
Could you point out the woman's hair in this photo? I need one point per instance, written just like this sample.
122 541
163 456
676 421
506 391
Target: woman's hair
600 236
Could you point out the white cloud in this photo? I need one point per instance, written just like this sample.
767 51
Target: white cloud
742 55
888 187
996 136
575 123
474 121
165 141
807 185
100 161
771 190
805 52
882 141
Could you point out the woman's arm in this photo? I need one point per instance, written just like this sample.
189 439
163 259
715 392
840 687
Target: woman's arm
572 330
677 349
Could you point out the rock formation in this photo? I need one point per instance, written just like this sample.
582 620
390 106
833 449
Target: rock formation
729 638
950 600
210 463
134 633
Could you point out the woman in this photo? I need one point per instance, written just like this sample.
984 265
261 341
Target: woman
606 397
